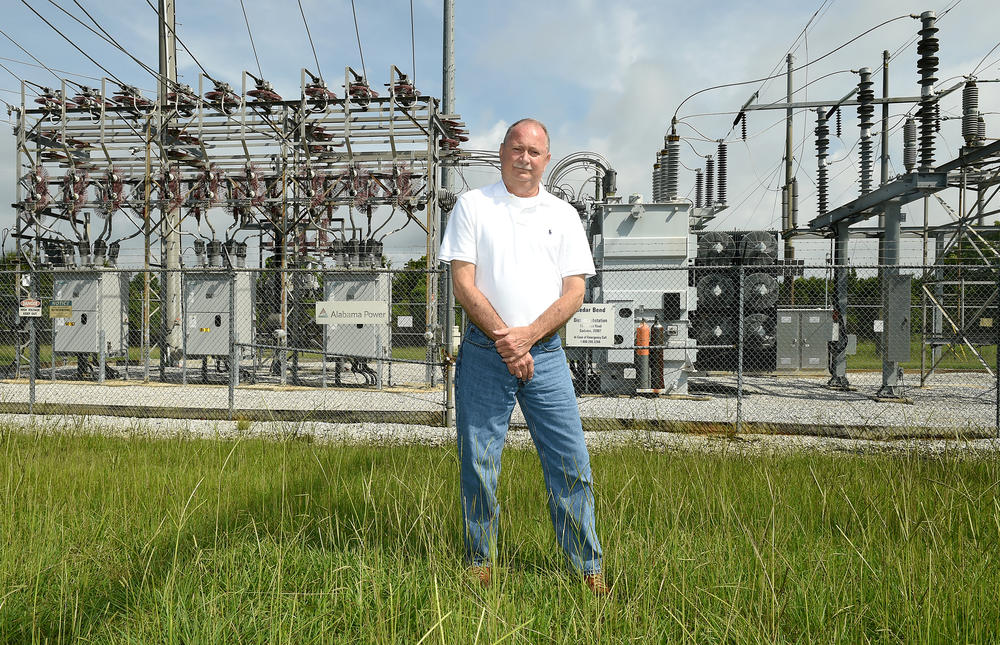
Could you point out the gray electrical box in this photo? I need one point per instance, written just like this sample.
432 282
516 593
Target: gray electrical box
896 333
98 302
642 254
360 340
802 339
206 311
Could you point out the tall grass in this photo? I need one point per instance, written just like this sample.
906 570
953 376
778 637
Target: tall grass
113 540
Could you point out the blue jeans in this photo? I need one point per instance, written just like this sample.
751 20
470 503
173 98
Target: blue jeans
485 393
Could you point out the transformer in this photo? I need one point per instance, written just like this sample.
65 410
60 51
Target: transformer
640 249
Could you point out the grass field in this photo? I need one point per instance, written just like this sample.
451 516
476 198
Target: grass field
962 358
112 540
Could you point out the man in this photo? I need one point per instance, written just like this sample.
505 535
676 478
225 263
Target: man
519 260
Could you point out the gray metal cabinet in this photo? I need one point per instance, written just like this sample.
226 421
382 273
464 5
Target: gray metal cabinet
364 340
206 312
802 337
97 299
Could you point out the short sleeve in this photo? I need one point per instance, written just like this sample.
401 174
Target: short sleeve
459 241
575 257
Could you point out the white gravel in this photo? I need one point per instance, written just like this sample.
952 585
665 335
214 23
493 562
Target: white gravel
398 434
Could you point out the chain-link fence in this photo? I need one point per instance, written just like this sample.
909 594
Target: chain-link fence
803 349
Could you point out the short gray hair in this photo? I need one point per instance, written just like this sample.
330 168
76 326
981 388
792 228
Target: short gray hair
529 120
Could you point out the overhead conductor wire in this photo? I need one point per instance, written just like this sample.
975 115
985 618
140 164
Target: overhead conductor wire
306 23
357 32
254 47
413 47
109 38
800 67
30 55
103 68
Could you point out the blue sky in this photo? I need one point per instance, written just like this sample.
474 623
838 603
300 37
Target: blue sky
605 76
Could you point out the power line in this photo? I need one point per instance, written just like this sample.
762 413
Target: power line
30 55
75 46
249 33
800 67
413 47
173 33
106 37
357 32
111 39
61 71
306 23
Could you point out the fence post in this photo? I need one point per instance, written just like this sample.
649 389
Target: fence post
234 352
101 355
32 347
996 370
449 368
739 356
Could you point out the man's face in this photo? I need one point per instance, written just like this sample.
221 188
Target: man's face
523 158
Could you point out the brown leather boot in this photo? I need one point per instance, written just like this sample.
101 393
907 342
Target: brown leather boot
596 584
480 573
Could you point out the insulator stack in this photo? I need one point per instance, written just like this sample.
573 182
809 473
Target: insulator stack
822 150
661 176
866 108
927 65
699 187
656 178
909 144
743 125
840 128
722 172
981 129
970 113
673 161
709 181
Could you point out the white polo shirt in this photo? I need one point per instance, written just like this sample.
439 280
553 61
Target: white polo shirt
522 247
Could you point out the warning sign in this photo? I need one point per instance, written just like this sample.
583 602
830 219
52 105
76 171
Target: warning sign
30 308
61 309
591 326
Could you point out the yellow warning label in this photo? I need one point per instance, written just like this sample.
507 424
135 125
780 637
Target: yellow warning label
985 322
205 329
70 324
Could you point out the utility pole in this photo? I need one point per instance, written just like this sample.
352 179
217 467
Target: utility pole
789 224
170 235
448 187
884 177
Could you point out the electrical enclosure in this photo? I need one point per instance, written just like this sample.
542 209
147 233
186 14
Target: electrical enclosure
97 299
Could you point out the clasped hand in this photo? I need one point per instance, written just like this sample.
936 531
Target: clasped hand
514 345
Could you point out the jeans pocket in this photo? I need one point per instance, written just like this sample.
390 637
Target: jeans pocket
553 344
475 336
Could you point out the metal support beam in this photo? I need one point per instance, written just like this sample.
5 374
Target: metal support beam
904 190
838 348
170 233
892 373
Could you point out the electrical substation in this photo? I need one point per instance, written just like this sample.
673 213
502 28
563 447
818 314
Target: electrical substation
315 183
264 222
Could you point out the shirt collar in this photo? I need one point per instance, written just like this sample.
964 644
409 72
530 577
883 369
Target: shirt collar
500 190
